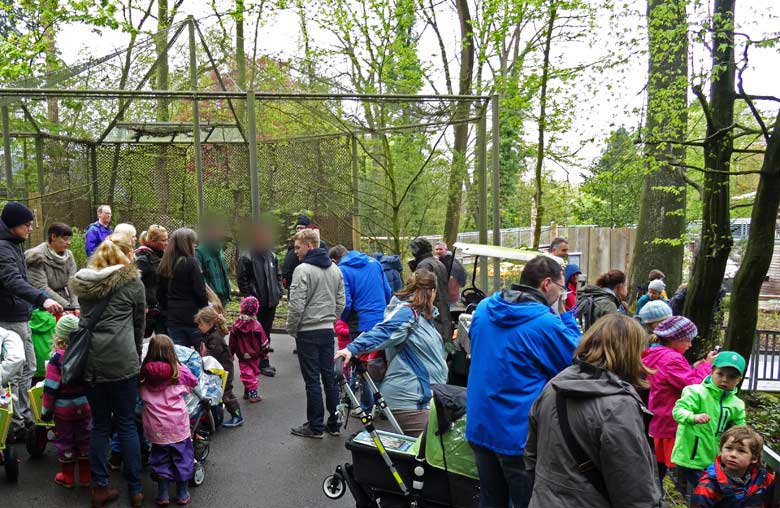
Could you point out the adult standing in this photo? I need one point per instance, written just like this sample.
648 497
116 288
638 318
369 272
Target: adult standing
517 345
211 258
416 357
291 260
457 280
393 268
422 250
113 364
181 290
258 275
17 299
560 247
128 230
316 301
604 297
147 258
98 230
587 444
51 264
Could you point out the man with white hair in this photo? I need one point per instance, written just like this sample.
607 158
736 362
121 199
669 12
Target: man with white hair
98 230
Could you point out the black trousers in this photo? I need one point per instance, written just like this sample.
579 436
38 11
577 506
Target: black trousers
266 317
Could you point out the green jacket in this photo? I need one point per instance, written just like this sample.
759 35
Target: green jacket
697 445
42 330
215 272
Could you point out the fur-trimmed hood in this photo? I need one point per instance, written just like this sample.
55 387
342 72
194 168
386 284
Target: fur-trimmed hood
89 283
43 254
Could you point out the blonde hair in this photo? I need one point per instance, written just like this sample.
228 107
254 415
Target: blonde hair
310 236
210 316
214 300
58 342
125 229
615 343
142 238
116 249
154 233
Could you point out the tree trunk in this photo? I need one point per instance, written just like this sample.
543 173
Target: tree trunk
661 231
716 239
539 207
240 57
743 311
161 81
458 173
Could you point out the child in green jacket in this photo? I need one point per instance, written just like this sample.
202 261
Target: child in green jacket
703 413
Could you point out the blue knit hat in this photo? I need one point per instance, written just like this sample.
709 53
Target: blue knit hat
654 311
571 269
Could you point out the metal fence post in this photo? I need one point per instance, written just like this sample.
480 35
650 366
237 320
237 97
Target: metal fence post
93 168
196 118
251 139
355 202
9 173
482 190
495 174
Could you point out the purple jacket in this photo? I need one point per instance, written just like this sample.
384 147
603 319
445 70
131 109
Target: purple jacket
96 233
672 374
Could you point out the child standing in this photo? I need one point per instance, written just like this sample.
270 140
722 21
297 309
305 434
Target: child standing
736 479
655 291
214 328
672 373
249 343
166 422
704 412
67 405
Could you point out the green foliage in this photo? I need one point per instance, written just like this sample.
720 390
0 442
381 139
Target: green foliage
77 244
764 415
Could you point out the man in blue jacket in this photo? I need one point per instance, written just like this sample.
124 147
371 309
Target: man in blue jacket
517 345
367 293
98 230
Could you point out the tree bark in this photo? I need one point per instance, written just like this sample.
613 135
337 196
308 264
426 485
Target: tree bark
162 81
539 207
716 239
240 57
660 233
743 311
458 173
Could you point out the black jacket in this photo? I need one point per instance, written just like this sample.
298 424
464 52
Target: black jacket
148 263
258 275
183 296
424 259
17 295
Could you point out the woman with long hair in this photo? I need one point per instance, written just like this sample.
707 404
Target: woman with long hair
587 443
604 297
181 291
113 364
413 348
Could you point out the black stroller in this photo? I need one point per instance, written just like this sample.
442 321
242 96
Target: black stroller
391 470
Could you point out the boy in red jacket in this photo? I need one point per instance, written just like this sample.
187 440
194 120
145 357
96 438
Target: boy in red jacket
249 343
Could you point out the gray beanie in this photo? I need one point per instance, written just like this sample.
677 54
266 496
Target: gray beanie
657 284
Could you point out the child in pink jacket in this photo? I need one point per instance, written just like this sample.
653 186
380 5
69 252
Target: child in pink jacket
249 343
164 382
672 374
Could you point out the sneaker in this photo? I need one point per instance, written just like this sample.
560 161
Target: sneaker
235 421
333 430
254 397
305 431
268 371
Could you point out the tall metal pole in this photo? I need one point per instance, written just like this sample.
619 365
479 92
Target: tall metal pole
251 139
482 189
495 178
355 203
39 167
196 118
93 168
9 174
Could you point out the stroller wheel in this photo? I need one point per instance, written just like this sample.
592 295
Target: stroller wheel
200 475
334 486
36 441
202 450
11 465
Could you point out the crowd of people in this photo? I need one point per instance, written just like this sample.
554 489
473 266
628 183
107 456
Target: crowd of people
570 402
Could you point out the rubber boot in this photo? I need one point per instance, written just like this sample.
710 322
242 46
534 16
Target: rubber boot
85 472
182 493
163 497
101 496
65 477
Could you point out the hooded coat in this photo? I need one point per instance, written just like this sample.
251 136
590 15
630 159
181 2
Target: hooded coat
215 272
148 262
165 416
258 275
366 291
248 340
415 355
517 345
424 259
717 490
11 356
606 416
96 233
50 272
393 269
316 297
115 351
594 302
697 444
17 295
184 295
672 374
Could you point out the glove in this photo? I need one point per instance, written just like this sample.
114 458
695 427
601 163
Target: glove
47 417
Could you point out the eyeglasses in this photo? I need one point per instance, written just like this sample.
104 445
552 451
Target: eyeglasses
564 290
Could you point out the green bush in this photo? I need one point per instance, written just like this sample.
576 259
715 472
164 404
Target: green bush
763 414
77 248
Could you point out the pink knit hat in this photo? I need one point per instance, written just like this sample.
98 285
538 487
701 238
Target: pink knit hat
250 306
676 328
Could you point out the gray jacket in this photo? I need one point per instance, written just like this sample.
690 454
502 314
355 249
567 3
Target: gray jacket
316 297
606 417
50 272
11 356
118 335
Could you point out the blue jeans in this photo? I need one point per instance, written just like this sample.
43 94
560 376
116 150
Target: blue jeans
315 355
502 479
117 399
186 336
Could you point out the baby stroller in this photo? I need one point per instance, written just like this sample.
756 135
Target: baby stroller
391 470
43 432
8 457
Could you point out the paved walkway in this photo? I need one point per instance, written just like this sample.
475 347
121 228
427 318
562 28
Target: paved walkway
258 465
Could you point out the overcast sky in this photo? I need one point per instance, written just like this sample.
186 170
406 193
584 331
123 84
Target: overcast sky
605 101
